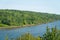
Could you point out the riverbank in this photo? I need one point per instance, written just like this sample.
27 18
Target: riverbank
13 27
29 25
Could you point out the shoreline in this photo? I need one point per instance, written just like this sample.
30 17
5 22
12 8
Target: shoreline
29 25
14 27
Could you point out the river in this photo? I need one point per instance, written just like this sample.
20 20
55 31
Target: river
37 30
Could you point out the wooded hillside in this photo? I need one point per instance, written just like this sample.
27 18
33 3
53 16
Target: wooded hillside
20 18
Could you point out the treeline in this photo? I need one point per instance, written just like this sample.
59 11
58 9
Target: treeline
20 18
50 34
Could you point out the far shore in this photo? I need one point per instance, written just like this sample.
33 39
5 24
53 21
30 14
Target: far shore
13 27
29 25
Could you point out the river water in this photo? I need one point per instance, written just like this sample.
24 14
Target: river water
37 30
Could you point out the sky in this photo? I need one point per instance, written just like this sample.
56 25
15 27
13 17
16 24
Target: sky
48 6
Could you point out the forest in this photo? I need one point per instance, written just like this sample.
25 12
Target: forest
20 18
50 34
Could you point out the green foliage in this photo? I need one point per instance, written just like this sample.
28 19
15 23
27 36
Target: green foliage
52 34
28 37
39 38
6 38
21 18
3 25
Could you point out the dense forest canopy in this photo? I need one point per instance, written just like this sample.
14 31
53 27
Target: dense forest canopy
20 18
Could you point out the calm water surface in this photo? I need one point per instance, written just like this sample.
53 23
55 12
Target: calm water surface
37 30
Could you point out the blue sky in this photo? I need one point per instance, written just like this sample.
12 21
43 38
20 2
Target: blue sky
50 6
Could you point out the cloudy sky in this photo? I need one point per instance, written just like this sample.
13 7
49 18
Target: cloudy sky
50 6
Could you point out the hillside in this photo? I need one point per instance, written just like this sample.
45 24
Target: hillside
20 18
